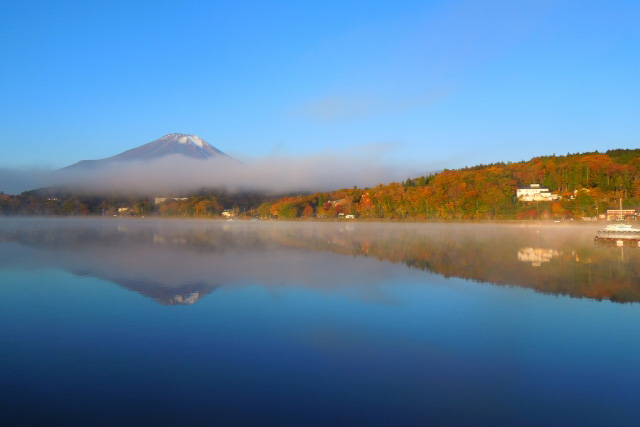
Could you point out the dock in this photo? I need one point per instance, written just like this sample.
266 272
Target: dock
618 237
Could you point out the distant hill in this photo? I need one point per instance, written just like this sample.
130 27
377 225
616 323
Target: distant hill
587 184
175 143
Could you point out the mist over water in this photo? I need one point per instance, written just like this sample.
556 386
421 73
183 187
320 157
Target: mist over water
260 322
172 254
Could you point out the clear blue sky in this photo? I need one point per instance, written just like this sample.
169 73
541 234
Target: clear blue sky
430 83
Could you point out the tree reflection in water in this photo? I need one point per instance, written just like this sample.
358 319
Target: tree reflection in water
177 262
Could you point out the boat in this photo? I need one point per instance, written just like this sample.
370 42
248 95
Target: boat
619 227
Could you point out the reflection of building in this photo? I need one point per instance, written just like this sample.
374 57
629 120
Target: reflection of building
536 256
159 238
164 199
620 214
534 193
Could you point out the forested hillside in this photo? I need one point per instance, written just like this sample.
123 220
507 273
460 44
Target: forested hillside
587 183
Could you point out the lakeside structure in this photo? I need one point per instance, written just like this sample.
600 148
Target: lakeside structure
621 215
619 234
534 193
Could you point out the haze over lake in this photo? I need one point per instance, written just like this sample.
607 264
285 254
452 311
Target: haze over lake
121 322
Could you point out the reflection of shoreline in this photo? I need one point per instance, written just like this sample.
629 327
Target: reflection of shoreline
164 254
536 256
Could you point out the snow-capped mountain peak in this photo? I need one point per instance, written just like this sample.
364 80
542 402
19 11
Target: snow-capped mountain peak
192 139
172 144
184 138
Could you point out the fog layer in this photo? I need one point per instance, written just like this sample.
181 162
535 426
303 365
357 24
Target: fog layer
183 257
180 174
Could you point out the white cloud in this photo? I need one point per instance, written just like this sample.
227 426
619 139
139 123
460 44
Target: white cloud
338 107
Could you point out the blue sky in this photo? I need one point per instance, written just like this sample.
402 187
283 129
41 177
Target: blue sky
426 84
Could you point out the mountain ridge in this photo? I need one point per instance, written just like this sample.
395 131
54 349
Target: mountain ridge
184 144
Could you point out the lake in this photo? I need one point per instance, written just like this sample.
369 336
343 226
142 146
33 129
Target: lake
163 322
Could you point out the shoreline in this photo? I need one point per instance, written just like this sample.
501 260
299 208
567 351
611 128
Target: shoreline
562 223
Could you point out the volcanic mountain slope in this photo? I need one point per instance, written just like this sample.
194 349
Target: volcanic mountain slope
175 143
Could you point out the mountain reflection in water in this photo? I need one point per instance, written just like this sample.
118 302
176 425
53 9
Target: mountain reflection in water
178 262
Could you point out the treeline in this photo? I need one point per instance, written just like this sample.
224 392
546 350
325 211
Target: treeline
59 202
587 183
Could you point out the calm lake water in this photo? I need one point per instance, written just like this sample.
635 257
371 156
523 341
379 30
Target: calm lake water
115 322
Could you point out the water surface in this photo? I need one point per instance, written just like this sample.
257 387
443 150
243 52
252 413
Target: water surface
118 322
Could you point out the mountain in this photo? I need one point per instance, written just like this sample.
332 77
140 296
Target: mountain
175 143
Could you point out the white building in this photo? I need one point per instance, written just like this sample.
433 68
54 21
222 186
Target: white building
535 193
621 214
